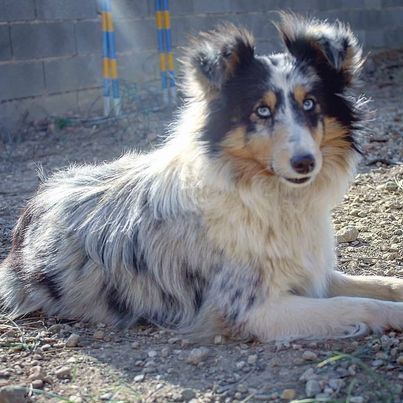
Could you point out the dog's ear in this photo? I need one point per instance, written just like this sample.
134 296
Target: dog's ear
332 49
214 57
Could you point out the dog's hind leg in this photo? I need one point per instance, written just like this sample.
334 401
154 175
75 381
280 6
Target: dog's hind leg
293 317
385 288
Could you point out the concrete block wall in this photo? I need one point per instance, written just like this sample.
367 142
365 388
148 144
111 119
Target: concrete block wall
51 50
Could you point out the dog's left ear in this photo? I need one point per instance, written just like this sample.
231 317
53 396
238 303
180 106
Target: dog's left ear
332 49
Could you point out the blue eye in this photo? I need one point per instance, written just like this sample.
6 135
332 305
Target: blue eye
263 112
309 104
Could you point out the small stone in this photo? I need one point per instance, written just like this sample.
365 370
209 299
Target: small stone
73 340
55 328
46 347
185 343
240 364
37 384
5 374
63 373
139 378
252 359
288 394
36 373
75 399
377 363
187 394
197 355
242 388
173 340
135 345
99 334
309 356
152 353
308 374
165 352
312 388
356 399
399 360
390 185
13 394
348 234
336 384
218 339
106 396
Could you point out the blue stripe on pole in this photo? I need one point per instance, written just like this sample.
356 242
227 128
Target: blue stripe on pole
106 87
112 46
115 88
160 37
107 5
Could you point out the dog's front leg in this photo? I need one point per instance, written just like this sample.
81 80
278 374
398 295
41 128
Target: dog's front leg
292 317
385 288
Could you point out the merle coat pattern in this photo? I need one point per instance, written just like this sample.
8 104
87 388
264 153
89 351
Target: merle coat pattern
226 226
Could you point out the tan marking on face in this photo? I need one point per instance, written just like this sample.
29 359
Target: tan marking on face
270 99
250 157
299 94
334 145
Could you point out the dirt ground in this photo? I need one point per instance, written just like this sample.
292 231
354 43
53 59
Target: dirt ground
52 360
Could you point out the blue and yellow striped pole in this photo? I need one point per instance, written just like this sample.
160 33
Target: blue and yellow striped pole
110 70
164 37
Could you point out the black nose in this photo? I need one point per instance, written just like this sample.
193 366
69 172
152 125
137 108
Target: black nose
303 164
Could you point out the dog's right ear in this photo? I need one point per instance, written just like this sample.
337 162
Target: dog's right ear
214 57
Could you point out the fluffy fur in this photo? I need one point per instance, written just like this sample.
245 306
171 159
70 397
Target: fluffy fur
227 225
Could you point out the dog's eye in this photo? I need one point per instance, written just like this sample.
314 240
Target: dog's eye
309 104
263 112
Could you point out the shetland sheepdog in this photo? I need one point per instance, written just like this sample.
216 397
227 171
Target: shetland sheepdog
225 227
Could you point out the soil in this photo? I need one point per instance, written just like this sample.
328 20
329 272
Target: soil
50 360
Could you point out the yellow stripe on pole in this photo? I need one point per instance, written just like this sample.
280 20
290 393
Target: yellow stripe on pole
113 68
105 67
170 57
167 20
159 19
108 22
163 65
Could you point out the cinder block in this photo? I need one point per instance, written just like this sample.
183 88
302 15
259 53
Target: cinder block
34 41
130 9
135 35
139 67
20 80
5 44
88 37
393 17
394 38
181 7
391 3
66 9
17 10
374 39
211 6
75 73
90 102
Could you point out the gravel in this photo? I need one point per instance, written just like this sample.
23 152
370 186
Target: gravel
52 360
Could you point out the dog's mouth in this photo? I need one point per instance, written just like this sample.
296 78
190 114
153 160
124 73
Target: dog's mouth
298 181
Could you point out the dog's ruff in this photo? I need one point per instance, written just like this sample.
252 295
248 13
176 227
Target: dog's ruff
225 227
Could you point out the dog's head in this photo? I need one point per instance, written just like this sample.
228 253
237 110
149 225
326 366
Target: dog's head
281 115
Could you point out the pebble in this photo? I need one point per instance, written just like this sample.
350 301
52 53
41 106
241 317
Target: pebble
399 360
13 394
312 388
37 384
73 340
356 399
347 234
218 339
55 328
252 359
46 347
135 344
336 383
308 375
242 388
152 353
139 378
187 394
99 334
63 373
309 356
288 394
165 352
197 355
240 364
377 363
106 396
36 373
